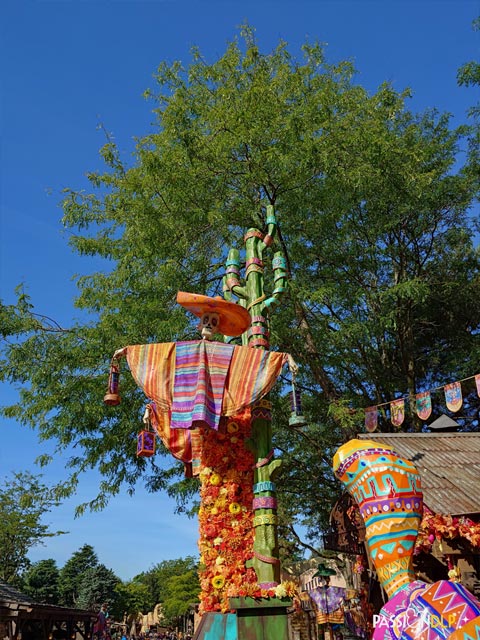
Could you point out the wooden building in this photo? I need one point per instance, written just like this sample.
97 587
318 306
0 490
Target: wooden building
24 619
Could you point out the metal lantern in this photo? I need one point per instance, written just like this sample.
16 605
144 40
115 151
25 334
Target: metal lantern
296 420
146 444
112 397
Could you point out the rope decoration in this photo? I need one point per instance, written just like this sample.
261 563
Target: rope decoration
253 233
264 461
266 518
257 301
267 559
258 330
259 342
264 502
264 486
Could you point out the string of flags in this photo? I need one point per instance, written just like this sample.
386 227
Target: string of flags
423 404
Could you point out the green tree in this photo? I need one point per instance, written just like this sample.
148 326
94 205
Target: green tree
373 206
40 581
469 76
169 579
181 592
73 572
24 501
130 599
98 585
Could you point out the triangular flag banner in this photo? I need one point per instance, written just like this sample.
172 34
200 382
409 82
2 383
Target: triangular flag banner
371 417
453 396
397 412
477 382
423 403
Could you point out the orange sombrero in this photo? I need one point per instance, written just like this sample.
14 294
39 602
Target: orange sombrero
233 319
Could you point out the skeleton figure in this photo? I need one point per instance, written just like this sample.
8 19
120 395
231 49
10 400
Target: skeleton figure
209 325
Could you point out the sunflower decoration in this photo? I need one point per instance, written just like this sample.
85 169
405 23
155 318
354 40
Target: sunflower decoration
226 516
234 508
217 582
215 479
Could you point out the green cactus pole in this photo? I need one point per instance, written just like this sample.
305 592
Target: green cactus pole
252 295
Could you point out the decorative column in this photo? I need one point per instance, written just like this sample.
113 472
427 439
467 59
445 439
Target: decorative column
252 295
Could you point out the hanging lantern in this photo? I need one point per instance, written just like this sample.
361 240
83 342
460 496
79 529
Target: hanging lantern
146 440
146 444
296 420
112 397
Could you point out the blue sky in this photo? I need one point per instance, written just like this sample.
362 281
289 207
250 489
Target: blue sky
68 65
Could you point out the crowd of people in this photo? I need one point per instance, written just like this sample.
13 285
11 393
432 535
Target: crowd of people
162 635
102 630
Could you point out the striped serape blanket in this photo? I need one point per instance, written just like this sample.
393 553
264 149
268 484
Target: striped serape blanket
226 378
201 369
183 444
252 374
153 367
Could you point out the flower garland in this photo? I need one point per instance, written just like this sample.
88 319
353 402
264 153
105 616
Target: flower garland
436 526
225 516
226 520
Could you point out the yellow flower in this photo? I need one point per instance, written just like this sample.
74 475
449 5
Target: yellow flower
234 508
215 479
219 560
290 588
218 582
280 591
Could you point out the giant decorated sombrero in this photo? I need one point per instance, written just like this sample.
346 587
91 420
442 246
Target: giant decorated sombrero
233 319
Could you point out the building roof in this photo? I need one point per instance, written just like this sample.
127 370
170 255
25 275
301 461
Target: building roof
448 463
11 594
15 604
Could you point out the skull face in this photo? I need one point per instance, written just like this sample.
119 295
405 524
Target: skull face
209 325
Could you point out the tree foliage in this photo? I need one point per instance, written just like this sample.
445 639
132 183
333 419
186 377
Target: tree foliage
174 584
373 203
85 583
73 573
41 581
131 598
24 501
98 585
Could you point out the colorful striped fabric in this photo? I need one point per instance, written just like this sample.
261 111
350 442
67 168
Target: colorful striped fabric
177 441
226 378
253 372
153 367
183 444
201 369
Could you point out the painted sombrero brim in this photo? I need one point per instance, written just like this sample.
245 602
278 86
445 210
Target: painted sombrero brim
233 319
